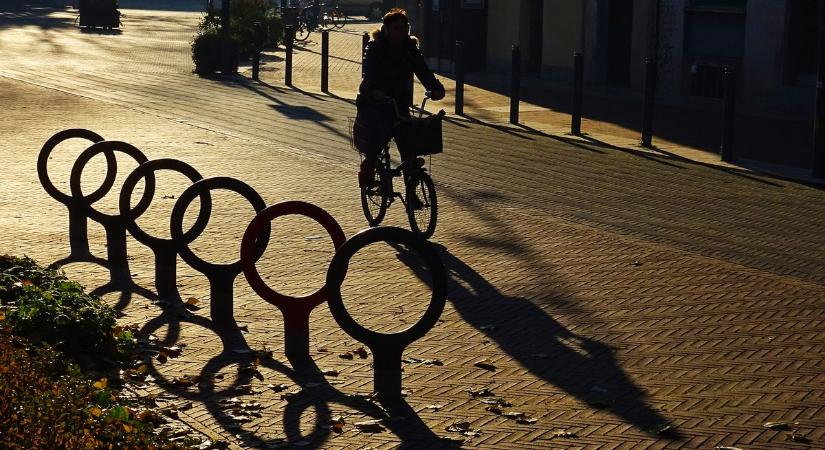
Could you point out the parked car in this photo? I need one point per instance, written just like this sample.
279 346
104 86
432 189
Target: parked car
371 8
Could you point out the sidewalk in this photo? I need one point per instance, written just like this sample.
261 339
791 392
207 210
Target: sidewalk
762 144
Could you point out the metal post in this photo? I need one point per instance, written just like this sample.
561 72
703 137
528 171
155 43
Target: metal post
325 61
259 42
729 83
818 169
290 35
515 85
647 105
225 11
459 78
578 77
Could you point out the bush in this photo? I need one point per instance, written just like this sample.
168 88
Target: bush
44 306
241 32
206 51
48 404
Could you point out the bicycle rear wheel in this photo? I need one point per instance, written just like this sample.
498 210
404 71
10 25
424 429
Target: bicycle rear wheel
339 18
327 22
301 29
376 199
423 216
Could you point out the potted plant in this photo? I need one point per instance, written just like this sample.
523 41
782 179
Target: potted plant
99 13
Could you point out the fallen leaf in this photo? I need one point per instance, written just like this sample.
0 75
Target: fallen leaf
291 394
244 328
101 384
252 371
361 352
347 355
432 362
370 426
147 415
143 369
494 409
434 407
486 365
636 263
483 392
798 438
513 414
186 380
495 401
322 350
526 420
777 425
95 411
337 424
459 426
563 434
191 304
161 357
452 440
331 373
277 387
2 315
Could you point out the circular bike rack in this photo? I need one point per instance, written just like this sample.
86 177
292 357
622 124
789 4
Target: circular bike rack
296 310
387 348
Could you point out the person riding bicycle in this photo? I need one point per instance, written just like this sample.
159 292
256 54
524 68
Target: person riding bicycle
390 60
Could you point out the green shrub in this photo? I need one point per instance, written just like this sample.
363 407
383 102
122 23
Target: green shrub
44 306
48 404
206 51
241 31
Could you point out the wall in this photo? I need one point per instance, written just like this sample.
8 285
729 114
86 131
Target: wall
504 25
562 35
764 60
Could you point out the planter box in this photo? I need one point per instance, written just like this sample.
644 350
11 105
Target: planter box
97 13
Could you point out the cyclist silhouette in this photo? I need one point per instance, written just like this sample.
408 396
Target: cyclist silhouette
390 60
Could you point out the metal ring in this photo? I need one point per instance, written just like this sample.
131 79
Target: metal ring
198 189
130 216
43 161
254 229
109 147
338 269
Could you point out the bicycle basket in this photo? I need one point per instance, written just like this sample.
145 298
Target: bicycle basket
421 136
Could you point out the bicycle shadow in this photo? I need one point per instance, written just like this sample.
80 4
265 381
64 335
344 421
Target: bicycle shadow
582 367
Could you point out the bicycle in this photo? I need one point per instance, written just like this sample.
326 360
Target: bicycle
311 18
420 201
338 16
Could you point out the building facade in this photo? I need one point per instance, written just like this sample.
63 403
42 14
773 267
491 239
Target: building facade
771 44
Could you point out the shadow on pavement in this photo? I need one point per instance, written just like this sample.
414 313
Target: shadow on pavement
310 391
580 366
39 13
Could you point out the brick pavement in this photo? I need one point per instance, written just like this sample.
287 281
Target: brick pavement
615 291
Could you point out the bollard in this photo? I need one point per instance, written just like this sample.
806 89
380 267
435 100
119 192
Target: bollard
578 76
259 43
289 34
459 78
647 105
365 39
515 85
729 83
325 61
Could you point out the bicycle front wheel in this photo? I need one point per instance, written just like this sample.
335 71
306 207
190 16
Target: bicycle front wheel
423 211
301 29
376 199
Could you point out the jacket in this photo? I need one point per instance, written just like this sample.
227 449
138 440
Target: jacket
390 69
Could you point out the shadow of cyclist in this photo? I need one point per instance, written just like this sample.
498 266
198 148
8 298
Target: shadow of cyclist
578 365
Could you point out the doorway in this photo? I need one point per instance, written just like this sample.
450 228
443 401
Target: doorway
619 41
